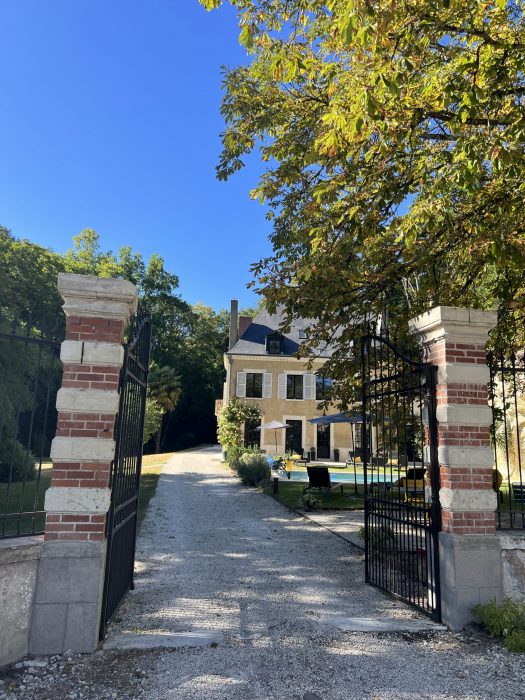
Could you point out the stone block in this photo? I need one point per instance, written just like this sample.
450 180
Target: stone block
68 579
81 449
71 351
456 606
75 549
451 456
70 582
48 629
97 297
87 400
463 373
20 549
454 324
513 564
468 500
82 625
470 569
464 414
69 499
107 354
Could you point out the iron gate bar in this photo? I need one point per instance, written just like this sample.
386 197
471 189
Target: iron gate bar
121 524
507 381
401 537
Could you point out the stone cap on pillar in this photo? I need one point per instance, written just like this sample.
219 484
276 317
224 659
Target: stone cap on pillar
97 297
454 323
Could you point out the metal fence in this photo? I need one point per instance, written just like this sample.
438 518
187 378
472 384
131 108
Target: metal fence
507 398
30 375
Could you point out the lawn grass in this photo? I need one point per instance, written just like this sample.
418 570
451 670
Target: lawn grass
290 493
156 460
149 479
29 524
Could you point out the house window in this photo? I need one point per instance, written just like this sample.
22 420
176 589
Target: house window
294 386
274 344
323 388
303 335
254 384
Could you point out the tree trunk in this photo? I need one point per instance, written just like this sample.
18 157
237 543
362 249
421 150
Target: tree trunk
157 439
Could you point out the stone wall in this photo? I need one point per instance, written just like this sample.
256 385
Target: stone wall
19 559
513 564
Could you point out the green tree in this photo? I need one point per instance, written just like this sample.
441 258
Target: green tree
157 288
28 278
393 135
164 388
152 419
200 364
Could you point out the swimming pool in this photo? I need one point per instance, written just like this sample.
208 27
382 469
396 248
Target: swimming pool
296 475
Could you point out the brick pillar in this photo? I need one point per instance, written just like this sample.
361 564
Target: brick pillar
69 588
470 559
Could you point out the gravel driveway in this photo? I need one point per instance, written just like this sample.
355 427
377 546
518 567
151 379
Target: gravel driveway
213 555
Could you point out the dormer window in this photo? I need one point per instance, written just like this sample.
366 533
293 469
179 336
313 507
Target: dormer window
274 344
303 335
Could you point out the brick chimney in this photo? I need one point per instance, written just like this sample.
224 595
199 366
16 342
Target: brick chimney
234 317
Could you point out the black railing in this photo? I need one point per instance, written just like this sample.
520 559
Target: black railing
507 398
30 375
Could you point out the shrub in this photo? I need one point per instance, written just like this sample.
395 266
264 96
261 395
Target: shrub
382 539
506 620
231 420
253 468
15 460
309 502
234 454
152 419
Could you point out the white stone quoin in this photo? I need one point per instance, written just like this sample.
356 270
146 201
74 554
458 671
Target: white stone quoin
82 449
92 353
87 400
71 499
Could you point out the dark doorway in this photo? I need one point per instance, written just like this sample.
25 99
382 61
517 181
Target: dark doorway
323 441
294 436
252 436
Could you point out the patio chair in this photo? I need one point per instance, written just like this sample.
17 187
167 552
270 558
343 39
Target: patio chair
319 478
414 489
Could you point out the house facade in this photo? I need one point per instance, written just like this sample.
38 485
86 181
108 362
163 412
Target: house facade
262 366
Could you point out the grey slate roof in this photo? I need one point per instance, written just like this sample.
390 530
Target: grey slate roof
253 340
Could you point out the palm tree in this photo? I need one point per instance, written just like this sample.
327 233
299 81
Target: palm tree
164 388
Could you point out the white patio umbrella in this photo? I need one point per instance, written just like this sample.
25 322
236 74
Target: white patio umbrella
274 425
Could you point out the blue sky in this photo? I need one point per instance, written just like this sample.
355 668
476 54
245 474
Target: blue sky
109 119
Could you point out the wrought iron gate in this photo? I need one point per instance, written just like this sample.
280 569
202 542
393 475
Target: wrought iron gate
401 473
126 467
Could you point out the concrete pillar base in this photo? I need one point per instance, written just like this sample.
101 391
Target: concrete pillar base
470 567
68 597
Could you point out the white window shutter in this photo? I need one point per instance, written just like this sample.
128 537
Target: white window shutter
241 385
309 386
267 385
281 386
